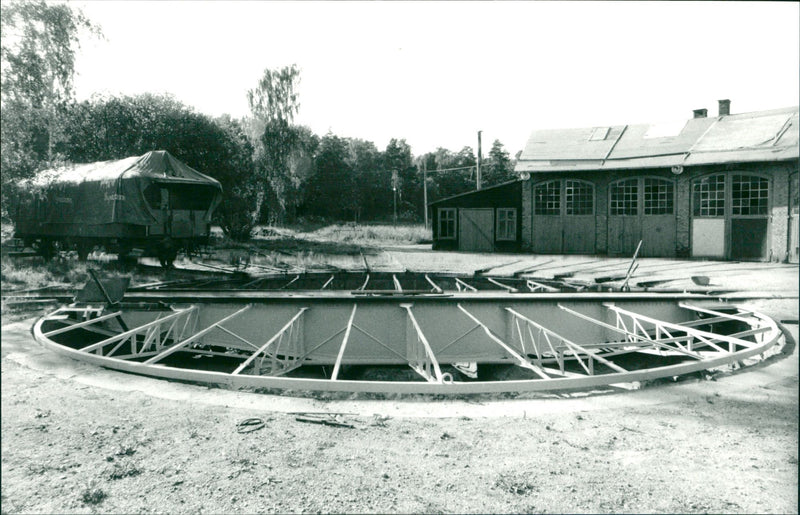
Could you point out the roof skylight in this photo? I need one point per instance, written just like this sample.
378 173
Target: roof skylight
599 133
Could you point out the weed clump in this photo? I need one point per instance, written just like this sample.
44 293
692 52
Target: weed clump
121 471
93 496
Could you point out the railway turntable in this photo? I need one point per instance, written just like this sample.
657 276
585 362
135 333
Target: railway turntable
424 341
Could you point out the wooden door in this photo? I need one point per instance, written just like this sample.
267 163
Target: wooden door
658 223
708 216
579 230
642 209
749 217
624 222
547 223
476 230
794 209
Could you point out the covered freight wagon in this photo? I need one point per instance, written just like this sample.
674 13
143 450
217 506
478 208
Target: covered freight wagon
153 202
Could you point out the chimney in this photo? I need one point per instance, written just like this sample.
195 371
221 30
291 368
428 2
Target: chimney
724 107
700 113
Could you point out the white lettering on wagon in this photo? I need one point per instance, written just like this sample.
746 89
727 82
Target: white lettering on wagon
115 197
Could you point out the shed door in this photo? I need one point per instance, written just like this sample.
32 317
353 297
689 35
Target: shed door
579 219
708 216
749 217
547 221
730 216
624 224
475 230
642 208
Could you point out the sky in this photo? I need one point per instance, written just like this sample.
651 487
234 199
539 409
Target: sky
436 73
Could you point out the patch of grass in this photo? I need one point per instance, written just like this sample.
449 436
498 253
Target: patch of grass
93 496
514 485
125 450
373 234
123 470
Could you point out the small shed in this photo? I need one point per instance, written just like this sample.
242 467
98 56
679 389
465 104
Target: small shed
484 220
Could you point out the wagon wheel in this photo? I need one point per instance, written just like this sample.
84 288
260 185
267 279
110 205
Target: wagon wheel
84 248
46 249
124 250
167 252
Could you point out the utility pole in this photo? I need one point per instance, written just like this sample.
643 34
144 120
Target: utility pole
425 190
394 189
479 160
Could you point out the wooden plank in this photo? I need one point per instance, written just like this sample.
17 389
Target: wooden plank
505 286
501 265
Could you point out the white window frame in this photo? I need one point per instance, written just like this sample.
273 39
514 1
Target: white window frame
441 221
508 222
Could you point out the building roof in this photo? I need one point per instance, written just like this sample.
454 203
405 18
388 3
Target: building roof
748 137
474 192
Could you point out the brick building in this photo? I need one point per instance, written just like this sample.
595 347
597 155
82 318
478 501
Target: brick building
722 187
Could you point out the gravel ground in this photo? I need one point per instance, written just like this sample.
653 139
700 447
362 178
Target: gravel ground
76 439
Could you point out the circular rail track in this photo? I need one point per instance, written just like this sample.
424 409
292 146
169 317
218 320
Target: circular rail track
401 334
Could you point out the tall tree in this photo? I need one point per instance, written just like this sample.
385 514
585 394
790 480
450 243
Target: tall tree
37 66
372 184
397 158
457 173
105 128
37 52
273 104
300 170
500 169
331 193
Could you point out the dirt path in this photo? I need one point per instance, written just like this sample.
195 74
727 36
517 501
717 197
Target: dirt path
75 445
79 439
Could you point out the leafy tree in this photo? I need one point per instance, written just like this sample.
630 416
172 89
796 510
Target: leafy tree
235 171
300 170
273 104
38 51
372 181
397 156
457 175
499 167
37 66
331 192
105 128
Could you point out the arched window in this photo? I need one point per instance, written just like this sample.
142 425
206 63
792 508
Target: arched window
579 198
547 198
623 197
659 196
708 196
749 195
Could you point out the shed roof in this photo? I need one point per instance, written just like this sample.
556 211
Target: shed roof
481 191
748 137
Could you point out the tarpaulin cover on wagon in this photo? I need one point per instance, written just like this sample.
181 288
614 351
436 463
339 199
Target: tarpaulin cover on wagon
121 191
